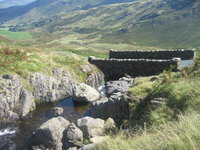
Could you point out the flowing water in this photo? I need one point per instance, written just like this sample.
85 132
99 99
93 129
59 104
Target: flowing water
16 135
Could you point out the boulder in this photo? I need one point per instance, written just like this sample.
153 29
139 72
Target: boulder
15 100
121 85
84 93
49 134
116 107
51 88
110 124
91 127
73 136
58 110
26 99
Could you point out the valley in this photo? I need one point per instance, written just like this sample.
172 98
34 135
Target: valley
52 91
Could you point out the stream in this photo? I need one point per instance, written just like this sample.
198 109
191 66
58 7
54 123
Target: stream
16 135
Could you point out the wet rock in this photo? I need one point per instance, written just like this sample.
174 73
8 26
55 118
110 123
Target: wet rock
116 107
94 79
15 100
51 88
91 127
122 85
58 110
49 134
7 142
84 93
74 136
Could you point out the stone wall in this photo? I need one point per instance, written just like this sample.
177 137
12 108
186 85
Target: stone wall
159 54
114 69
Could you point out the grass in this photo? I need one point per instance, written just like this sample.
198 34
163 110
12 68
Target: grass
181 135
14 35
25 61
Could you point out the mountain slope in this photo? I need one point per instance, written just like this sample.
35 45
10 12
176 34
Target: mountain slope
153 23
46 8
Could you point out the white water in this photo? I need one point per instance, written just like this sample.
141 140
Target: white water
7 131
102 90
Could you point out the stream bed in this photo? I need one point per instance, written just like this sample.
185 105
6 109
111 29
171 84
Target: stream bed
16 135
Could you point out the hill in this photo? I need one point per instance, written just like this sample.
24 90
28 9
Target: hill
111 24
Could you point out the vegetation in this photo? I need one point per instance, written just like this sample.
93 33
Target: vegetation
24 61
135 25
14 35
166 118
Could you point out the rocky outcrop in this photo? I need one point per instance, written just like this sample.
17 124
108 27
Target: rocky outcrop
91 127
49 135
94 77
116 107
59 134
121 85
73 136
51 88
15 100
84 93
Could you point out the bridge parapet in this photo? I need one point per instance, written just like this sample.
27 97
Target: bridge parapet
113 69
184 54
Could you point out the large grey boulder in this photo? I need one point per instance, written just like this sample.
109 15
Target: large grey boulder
15 100
49 134
91 127
27 102
51 88
121 85
116 107
84 93
73 136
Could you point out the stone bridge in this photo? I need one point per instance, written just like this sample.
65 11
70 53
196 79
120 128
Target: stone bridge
123 63
183 54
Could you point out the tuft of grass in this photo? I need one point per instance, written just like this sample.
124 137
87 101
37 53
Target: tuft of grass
143 86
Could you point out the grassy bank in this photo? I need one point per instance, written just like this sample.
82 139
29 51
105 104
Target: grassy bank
24 61
164 114
181 135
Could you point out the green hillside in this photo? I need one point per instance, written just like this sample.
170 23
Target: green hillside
127 25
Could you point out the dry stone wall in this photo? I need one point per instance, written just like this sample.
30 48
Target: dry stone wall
114 69
184 54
